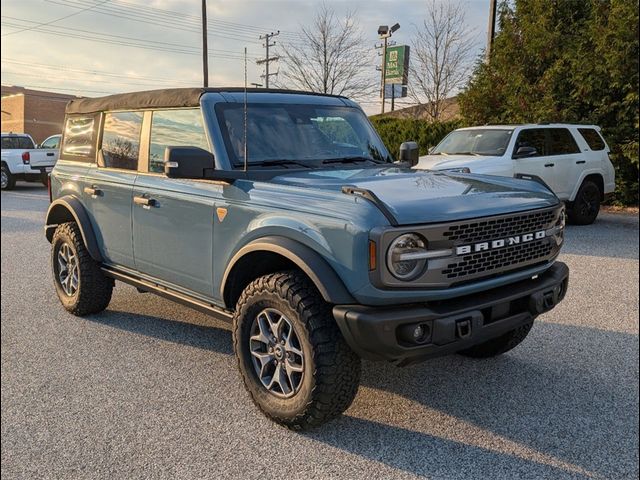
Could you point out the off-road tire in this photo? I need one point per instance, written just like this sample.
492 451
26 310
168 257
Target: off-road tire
499 345
331 369
586 206
94 289
11 180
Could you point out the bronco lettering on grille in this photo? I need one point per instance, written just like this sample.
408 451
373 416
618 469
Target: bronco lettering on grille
502 242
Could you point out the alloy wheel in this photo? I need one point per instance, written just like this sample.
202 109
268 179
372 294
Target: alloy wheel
67 269
276 353
4 179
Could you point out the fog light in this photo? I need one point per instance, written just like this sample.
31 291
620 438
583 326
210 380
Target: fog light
415 333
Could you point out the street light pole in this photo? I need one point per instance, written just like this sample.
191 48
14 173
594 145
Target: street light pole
384 70
205 52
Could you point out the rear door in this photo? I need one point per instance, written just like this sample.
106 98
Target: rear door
46 155
108 188
566 159
173 219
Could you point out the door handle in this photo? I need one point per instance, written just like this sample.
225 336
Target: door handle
146 202
549 164
579 162
93 191
50 154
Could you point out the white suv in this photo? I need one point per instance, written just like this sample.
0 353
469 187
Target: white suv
572 160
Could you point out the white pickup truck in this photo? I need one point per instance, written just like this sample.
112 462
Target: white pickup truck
572 160
22 159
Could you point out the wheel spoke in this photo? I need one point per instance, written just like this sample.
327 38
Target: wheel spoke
264 359
274 325
263 331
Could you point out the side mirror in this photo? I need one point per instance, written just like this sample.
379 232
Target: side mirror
187 162
409 153
525 152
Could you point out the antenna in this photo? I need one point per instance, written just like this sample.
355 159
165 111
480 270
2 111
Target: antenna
246 160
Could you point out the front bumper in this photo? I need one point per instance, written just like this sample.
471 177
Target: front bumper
378 333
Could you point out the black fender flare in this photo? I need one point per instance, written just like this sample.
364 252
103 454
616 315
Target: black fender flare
59 212
324 277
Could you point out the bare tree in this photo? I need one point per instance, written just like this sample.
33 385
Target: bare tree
331 56
441 56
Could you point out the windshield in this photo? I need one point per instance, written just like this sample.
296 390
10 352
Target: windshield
303 135
474 142
18 143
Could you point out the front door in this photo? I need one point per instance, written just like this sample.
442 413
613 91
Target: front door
173 219
109 186
538 164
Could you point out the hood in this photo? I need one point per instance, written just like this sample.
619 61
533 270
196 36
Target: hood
418 197
441 162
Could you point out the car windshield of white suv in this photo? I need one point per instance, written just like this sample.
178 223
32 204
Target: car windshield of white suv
294 135
478 141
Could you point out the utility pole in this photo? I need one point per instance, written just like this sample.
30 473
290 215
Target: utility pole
205 51
267 43
491 34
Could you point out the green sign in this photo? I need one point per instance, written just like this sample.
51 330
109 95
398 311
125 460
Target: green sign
397 64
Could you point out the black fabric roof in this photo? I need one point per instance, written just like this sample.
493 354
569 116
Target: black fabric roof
165 98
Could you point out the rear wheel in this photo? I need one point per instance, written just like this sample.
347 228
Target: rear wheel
293 360
586 206
499 345
80 284
8 181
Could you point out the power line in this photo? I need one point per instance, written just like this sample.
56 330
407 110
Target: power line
123 40
80 70
56 20
267 59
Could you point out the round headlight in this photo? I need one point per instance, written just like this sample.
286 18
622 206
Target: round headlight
404 256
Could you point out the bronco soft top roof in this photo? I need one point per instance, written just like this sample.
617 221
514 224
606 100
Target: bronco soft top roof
165 98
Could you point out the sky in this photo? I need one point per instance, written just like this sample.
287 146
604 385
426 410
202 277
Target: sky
98 47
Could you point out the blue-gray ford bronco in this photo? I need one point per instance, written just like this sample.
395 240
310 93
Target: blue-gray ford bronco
283 213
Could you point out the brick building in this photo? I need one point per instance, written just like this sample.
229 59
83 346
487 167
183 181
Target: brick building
36 112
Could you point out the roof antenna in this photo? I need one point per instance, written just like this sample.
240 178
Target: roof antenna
246 150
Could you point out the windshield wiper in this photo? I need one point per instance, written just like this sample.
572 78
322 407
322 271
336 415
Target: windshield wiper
275 163
351 160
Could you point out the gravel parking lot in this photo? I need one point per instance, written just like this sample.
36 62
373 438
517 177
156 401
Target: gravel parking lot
149 389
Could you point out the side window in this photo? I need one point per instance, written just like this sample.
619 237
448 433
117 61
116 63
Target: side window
51 142
121 140
532 137
174 128
593 138
79 137
561 142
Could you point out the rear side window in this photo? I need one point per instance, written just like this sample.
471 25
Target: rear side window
561 142
79 137
533 137
593 138
174 128
19 143
121 140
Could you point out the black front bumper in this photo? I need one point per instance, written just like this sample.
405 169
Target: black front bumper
380 333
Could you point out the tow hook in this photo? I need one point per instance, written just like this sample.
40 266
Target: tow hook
463 328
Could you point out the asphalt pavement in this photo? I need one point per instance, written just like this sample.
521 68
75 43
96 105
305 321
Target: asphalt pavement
149 389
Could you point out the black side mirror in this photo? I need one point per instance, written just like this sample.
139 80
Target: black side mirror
187 162
409 153
525 152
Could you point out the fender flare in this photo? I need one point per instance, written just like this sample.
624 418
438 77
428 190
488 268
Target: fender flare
583 177
323 276
56 215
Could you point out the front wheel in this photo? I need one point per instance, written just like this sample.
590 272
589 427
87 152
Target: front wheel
499 345
293 360
80 284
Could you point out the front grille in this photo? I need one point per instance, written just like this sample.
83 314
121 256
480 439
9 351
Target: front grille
499 227
504 259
